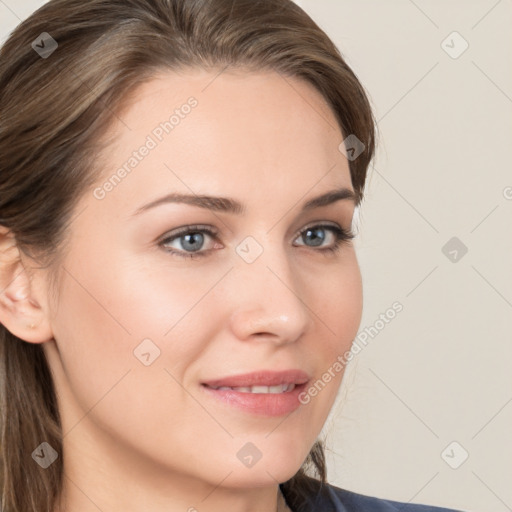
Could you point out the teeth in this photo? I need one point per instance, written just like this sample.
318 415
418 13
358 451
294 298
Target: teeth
281 388
263 389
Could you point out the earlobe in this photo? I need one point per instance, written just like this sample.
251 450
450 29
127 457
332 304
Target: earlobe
20 311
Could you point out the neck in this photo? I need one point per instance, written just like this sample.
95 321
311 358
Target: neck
92 494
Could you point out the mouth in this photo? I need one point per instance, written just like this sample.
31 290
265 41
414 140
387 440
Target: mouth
281 388
265 393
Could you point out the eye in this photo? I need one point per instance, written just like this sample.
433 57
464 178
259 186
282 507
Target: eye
189 240
316 234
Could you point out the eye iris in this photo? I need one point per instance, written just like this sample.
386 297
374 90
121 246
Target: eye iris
192 237
317 239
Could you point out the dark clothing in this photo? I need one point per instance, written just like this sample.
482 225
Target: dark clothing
334 499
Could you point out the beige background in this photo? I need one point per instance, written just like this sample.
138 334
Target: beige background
438 372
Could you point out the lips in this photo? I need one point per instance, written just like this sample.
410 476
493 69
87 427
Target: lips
265 393
262 378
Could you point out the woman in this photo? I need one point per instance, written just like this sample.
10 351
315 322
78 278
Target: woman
177 187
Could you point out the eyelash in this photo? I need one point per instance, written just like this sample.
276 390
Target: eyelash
342 237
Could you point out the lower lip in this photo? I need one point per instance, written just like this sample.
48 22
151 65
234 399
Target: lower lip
266 404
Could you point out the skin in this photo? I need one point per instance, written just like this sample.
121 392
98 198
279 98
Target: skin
141 438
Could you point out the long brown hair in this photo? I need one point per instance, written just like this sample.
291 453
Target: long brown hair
55 109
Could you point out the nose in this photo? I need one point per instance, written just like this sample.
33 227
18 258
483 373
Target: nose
269 302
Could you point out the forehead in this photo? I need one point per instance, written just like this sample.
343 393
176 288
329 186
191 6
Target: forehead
238 89
225 130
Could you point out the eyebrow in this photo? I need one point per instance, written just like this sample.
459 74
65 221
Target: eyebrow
229 205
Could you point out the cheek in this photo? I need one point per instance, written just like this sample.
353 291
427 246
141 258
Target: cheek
337 304
100 321
108 319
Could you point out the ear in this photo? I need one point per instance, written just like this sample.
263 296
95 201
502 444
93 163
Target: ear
23 297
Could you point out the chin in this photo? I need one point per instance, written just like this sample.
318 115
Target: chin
277 463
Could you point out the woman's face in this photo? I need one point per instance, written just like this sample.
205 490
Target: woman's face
140 326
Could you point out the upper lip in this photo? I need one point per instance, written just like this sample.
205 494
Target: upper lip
261 378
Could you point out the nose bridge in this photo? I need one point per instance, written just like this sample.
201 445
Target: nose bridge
267 293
